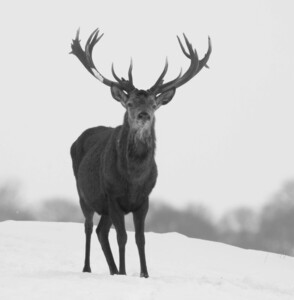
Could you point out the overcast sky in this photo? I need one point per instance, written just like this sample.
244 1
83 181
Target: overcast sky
225 140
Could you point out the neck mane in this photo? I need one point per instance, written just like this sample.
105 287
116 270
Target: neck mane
137 146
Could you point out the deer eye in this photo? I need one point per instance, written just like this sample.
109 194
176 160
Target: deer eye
129 104
154 106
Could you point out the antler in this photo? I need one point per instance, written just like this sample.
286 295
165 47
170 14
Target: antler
85 57
194 68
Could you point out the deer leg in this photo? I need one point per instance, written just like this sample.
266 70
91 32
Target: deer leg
139 221
88 232
102 233
88 214
118 220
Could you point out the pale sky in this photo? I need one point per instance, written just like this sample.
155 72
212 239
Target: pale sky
225 140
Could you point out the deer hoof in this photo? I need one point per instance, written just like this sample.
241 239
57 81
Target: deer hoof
115 272
122 273
144 275
87 269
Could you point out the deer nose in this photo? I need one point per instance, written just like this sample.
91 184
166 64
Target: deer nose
143 115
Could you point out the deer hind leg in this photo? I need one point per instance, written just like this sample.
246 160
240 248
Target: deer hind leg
118 220
139 221
88 213
102 233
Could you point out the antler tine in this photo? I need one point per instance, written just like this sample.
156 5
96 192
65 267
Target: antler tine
91 42
174 80
85 57
114 74
127 85
194 68
77 38
193 56
130 72
194 64
203 62
160 79
189 46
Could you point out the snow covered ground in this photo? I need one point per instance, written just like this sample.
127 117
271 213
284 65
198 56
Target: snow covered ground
44 261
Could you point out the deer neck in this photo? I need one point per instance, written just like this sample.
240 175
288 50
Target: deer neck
136 147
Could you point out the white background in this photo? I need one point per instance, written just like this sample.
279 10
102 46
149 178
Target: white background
225 140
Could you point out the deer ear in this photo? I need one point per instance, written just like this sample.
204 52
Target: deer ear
165 97
119 95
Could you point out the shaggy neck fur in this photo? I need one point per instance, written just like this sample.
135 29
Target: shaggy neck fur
138 144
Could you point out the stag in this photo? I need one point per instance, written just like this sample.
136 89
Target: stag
115 169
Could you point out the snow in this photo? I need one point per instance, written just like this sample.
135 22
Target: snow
44 261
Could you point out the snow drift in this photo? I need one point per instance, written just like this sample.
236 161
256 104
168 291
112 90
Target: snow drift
44 261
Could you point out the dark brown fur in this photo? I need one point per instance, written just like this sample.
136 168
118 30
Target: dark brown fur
115 172
115 168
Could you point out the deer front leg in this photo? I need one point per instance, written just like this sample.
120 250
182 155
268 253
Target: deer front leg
139 221
118 220
88 213
88 232
102 233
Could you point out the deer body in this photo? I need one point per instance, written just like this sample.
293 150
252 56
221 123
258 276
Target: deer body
110 167
115 169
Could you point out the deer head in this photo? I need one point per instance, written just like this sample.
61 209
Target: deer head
140 104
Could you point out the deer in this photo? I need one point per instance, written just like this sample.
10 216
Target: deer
115 168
